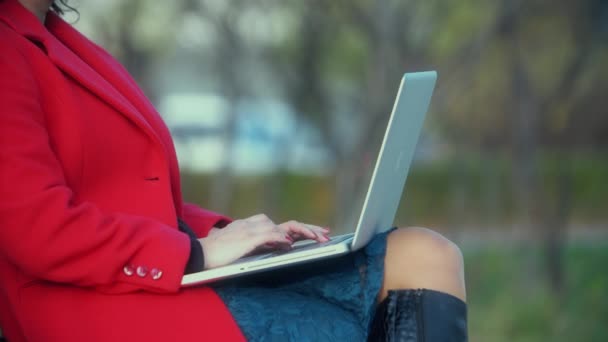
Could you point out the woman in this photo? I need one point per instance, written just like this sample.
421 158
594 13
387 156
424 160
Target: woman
95 237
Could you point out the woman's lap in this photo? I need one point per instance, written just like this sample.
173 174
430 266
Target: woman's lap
331 299
291 316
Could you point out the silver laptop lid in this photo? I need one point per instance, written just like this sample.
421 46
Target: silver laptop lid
395 157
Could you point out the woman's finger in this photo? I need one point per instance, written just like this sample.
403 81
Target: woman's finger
276 237
323 230
309 231
297 228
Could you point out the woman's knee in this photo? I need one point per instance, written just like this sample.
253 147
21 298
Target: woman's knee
421 258
422 244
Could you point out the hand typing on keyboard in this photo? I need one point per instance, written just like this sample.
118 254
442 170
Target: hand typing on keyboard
253 235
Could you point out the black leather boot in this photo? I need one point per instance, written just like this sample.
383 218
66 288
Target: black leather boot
421 316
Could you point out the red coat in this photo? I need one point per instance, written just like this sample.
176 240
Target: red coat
89 184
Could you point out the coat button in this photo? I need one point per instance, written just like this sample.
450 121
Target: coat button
155 273
128 270
141 271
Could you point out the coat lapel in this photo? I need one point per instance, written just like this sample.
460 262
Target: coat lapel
77 57
62 47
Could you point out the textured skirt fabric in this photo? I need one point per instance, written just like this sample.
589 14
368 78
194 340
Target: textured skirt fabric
327 300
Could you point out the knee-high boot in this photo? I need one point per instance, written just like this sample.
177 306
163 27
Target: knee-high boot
419 315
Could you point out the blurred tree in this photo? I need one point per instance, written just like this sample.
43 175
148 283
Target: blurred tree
228 52
139 33
349 52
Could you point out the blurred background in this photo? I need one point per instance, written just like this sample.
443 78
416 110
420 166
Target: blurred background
279 107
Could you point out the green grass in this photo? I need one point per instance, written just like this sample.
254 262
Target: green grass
511 300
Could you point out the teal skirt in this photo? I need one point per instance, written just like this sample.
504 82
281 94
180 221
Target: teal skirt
327 300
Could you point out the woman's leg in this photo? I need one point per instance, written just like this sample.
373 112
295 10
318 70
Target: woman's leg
421 258
423 292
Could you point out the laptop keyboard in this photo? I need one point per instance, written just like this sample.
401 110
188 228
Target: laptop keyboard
297 248
312 245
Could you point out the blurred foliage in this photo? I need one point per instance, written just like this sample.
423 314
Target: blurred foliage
318 53
506 304
430 194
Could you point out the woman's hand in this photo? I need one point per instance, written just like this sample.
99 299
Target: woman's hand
241 237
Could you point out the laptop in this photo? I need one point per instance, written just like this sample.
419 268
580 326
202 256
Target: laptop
381 200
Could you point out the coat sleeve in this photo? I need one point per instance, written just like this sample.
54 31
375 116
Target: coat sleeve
47 234
202 220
